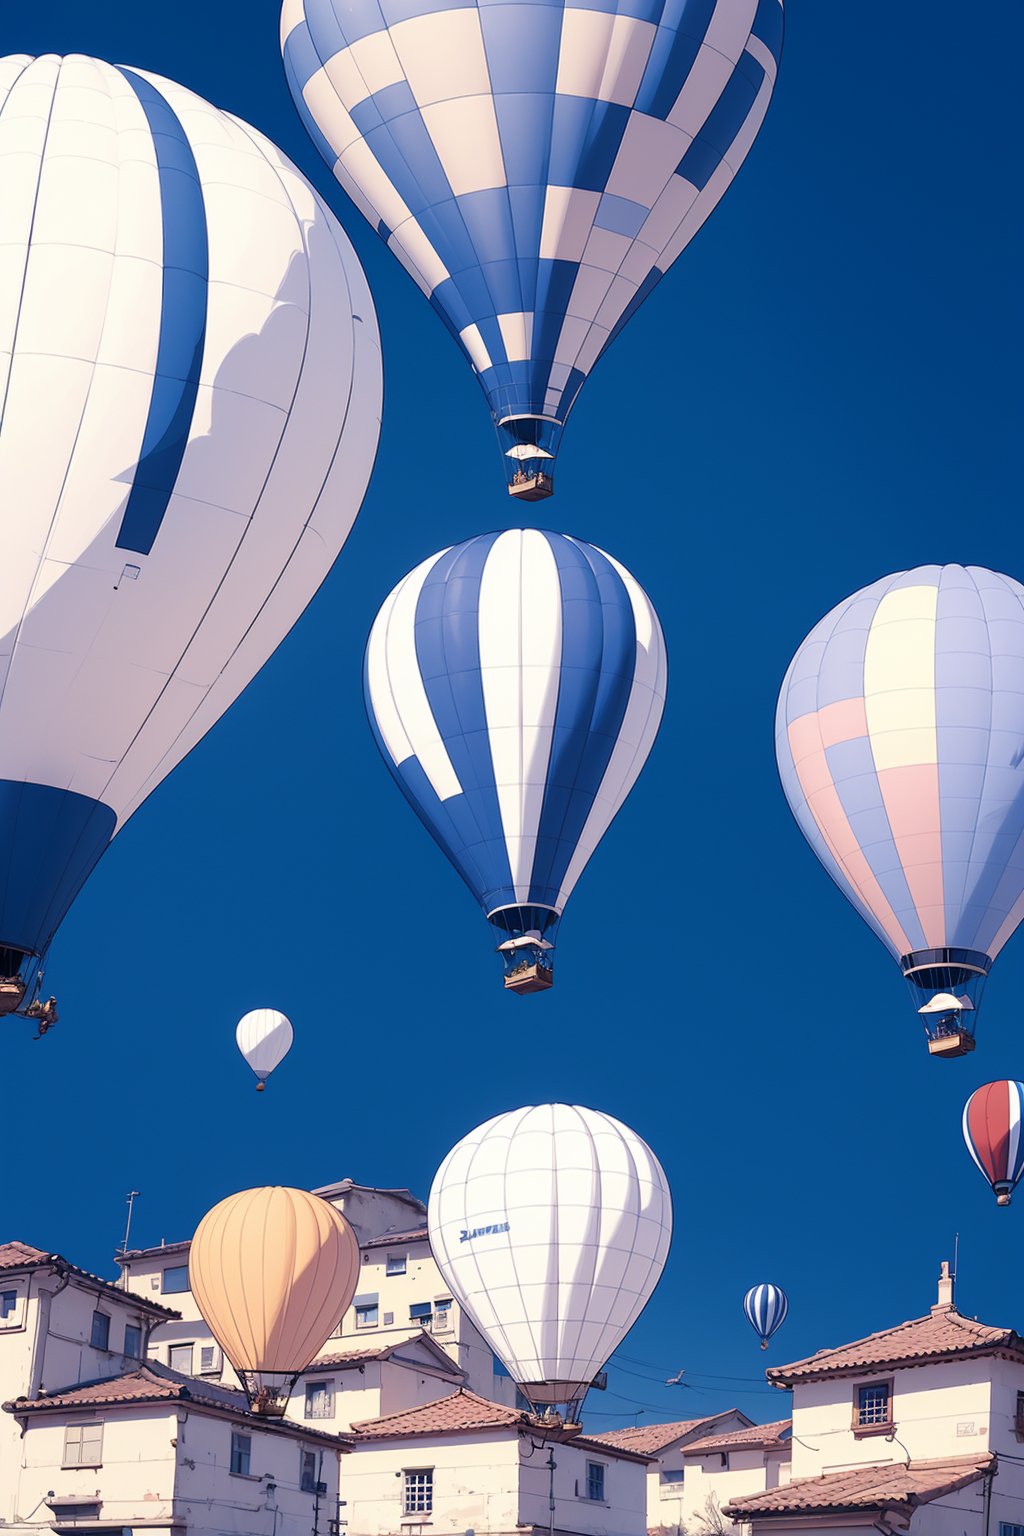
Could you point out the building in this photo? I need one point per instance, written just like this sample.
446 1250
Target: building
665 1444
465 1464
402 1298
93 1437
917 1428
728 1464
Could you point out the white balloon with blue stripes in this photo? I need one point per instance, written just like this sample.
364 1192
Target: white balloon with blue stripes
190 381
535 165
766 1307
515 685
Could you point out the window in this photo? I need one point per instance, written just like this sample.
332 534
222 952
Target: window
179 1358
320 1400
420 1312
395 1264
418 1491
1005 1529
133 1341
366 1316
8 1303
872 1406
672 1475
307 1472
100 1336
443 1315
207 1359
83 1445
595 1481
175 1280
241 1453
1019 1419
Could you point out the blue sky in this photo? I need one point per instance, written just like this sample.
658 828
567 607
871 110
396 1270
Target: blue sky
824 389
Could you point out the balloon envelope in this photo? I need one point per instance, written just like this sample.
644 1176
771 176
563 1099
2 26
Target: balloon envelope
273 1272
992 1131
264 1038
898 737
551 1224
515 685
190 362
765 1307
536 168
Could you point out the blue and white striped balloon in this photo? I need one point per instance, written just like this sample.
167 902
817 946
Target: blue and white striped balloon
765 1307
515 685
190 380
535 165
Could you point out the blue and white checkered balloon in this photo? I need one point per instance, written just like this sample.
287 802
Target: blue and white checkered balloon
535 165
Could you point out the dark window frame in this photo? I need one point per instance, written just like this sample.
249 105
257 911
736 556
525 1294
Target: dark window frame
418 1495
101 1325
241 1451
174 1289
596 1481
862 1427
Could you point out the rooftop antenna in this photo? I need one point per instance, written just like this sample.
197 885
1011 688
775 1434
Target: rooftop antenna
131 1197
956 1256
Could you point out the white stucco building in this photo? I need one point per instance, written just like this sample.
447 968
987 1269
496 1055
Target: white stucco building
95 1438
466 1464
917 1428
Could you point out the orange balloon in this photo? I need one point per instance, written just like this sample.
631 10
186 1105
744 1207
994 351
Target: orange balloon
273 1272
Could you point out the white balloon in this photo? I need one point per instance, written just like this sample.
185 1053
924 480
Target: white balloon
551 1224
264 1038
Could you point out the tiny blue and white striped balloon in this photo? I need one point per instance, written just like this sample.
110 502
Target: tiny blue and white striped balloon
765 1306
535 165
515 684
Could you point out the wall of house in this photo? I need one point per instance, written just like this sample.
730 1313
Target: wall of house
940 1410
476 1482
45 1343
491 1482
159 1460
709 1484
622 1512
379 1387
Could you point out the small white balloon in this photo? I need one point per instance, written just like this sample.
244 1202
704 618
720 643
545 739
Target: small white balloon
264 1038
552 1225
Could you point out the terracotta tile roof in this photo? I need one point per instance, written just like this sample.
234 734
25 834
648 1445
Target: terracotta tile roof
649 1439
392 1239
342 1359
766 1437
462 1410
150 1382
19 1255
864 1488
945 1333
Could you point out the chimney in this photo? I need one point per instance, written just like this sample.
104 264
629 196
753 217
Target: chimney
945 1288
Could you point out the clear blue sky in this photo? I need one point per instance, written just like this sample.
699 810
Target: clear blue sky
825 388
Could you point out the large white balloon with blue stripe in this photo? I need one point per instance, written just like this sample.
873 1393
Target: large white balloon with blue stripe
190 382
515 685
535 165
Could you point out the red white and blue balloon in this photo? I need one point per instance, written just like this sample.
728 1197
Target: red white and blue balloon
992 1131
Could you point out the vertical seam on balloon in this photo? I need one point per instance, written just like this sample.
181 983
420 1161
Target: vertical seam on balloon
596 1209
657 1260
640 1299
523 1116
248 521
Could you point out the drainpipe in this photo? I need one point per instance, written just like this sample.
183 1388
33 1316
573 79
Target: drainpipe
986 1506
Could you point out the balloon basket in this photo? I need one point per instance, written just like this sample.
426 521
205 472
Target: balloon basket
530 978
532 487
12 992
957 1043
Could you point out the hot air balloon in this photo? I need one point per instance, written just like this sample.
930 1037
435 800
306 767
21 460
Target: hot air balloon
191 381
536 168
515 685
900 741
765 1307
264 1038
273 1272
551 1225
992 1131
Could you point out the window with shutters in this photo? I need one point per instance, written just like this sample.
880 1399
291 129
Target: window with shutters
83 1445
